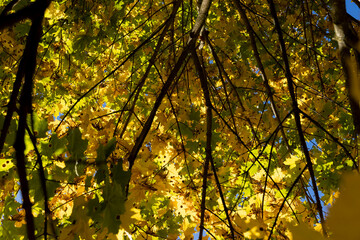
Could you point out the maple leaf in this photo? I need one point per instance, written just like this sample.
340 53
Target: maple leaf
113 120
343 216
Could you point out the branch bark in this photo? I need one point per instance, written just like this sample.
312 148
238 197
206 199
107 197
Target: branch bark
348 41
31 11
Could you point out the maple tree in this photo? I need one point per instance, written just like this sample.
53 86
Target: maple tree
161 119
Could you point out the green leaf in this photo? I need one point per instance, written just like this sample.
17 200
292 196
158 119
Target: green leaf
120 176
55 147
194 115
76 145
28 144
51 186
95 209
109 210
103 152
7 228
109 147
10 137
185 130
40 126
114 199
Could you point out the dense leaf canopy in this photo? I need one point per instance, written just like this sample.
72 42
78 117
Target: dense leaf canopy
126 119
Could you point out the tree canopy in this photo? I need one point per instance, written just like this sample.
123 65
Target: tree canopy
126 119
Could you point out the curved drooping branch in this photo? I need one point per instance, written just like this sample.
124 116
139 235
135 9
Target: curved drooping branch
297 113
28 64
173 75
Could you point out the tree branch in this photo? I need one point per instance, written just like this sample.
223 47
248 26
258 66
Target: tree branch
332 137
287 196
42 182
8 8
184 55
296 113
110 73
30 11
32 43
208 149
222 70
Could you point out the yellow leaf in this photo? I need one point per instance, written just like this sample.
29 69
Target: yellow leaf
131 215
304 232
6 164
278 175
344 220
256 229
292 161
188 229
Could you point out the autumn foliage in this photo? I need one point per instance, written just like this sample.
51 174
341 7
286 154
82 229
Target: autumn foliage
126 119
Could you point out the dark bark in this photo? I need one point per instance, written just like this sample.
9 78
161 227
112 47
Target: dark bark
35 11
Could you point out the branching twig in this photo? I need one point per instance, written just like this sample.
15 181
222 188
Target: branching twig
221 69
283 203
111 73
173 75
151 63
269 91
332 137
42 182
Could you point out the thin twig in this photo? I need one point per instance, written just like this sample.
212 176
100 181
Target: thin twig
269 91
111 73
283 203
151 63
